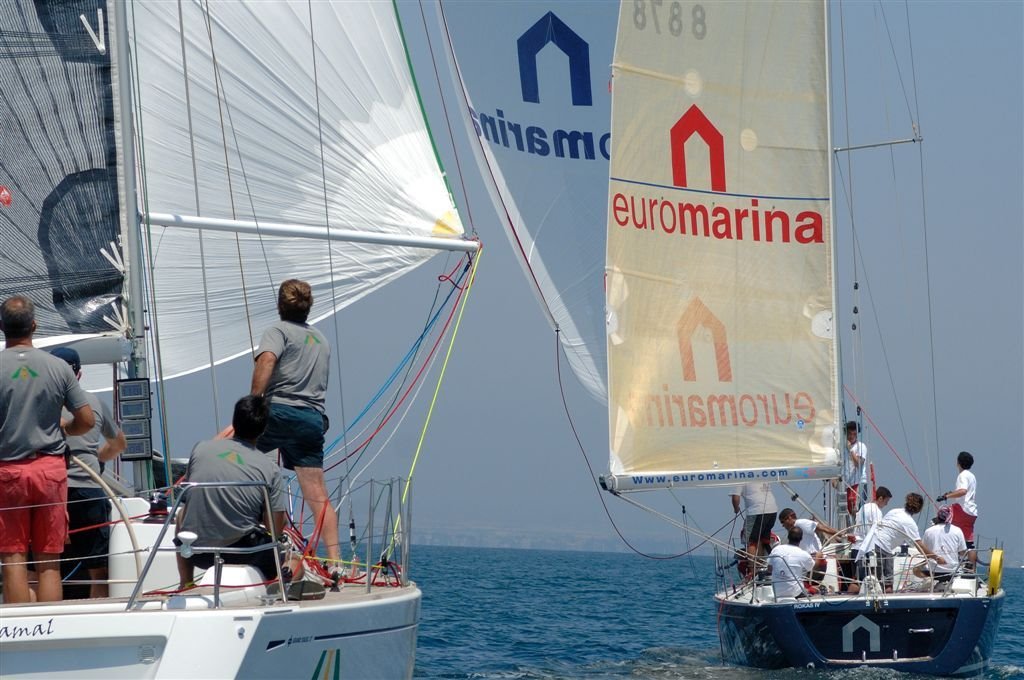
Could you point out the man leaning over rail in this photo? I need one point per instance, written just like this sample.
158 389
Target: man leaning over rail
34 387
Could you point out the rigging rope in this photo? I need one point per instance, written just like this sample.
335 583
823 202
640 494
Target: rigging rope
221 105
447 117
597 485
928 379
444 366
330 249
428 365
920 486
149 282
464 296
195 188
401 396
419 100
924 229
885 353
494 182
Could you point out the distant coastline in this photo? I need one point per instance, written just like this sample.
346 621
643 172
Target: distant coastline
493 537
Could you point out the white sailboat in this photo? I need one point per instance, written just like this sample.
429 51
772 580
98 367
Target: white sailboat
166 165
719 288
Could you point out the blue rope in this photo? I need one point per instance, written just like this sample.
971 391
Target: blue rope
401 365
71 573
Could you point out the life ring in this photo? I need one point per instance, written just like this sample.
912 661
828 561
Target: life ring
995 572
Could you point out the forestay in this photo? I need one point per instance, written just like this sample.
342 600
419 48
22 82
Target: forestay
722 359
285 113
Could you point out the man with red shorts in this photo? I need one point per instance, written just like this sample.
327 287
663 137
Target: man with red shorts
34 386
854 467
964 507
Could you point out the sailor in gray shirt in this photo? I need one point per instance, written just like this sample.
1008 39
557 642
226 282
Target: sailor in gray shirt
292 364
88 505
34 386
233 516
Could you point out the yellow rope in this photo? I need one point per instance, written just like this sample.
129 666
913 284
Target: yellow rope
433 401
440 378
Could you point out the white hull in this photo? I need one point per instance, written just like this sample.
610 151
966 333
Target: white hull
348 634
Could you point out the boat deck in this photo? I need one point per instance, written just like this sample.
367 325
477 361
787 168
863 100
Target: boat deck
202 598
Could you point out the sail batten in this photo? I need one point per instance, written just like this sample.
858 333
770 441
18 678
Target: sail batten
721 351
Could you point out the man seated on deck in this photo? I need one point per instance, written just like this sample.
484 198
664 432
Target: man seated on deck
897 528
236 516
810 543
946 540
789 565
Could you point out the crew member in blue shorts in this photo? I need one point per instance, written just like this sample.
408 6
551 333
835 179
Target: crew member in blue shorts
292 364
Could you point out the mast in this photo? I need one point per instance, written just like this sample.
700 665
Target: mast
832 509
142 470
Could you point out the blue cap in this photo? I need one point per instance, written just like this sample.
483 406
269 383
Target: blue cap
69 355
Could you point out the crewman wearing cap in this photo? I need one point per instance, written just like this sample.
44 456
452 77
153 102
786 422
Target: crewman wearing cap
88 505
946 540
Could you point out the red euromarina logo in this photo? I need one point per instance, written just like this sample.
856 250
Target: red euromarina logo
690 123
5 196
653 208
731 217
697 315
730 407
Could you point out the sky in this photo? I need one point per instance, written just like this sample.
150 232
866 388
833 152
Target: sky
501 464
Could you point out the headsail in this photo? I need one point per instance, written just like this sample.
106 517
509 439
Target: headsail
722 359
276 112
59 205
537 85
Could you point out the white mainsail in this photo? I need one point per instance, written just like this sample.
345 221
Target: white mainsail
722 359
275 112
536 81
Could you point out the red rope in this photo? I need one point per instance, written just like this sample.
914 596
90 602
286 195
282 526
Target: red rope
494 181
105 524
223 587
891 447
408 390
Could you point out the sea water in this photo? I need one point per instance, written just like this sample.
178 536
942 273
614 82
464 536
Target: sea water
509 614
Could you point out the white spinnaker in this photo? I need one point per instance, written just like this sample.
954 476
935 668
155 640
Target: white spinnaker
542 150
721 352
355 125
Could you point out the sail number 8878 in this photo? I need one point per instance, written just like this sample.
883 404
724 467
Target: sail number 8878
652 13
